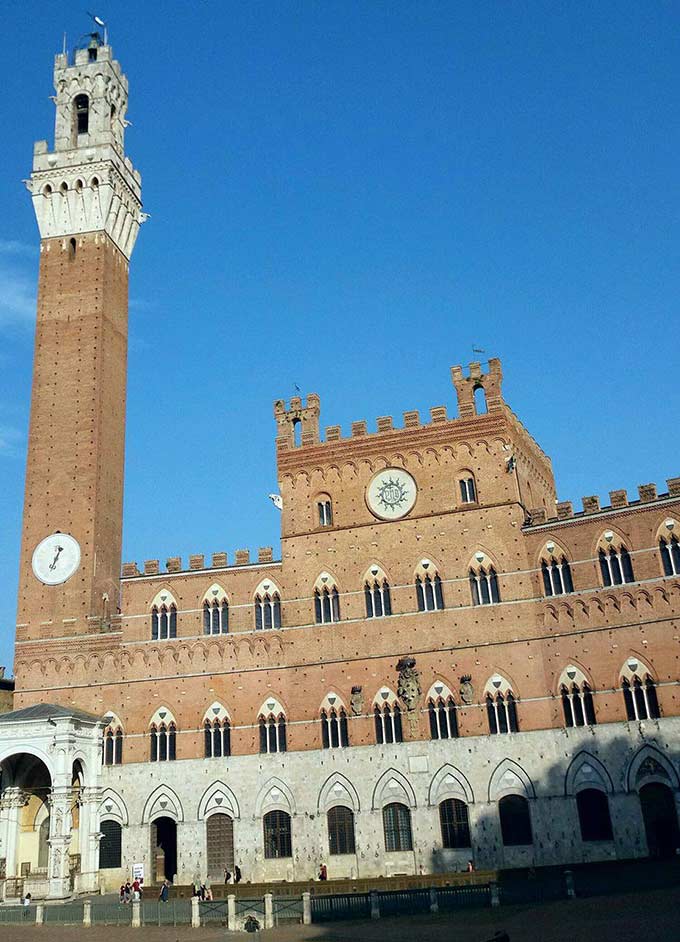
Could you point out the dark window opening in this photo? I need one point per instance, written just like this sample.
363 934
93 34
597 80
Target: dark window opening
515 818
593 815
455 824
81 105
341 831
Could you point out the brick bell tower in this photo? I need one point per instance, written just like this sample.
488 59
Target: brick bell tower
87 201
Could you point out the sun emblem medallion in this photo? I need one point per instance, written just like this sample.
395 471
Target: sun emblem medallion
391 494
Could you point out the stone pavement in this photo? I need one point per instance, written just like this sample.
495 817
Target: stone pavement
626 918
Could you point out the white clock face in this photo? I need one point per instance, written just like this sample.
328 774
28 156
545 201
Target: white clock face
56 558
391 494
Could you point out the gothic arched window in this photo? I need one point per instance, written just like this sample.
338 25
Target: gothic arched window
334 731
639 696
501 707
455 823
515 818
267 611
113 745
326 605
387 719
616 567
162 742
443 719
324 510
593 815
377 595
468 490
277 835
217 738
556 574
429 594
483 582
272 724
163 622
340 830
215 616
670 555
81 114
397 827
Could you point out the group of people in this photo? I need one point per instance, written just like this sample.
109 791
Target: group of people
228 876
202 891
131 892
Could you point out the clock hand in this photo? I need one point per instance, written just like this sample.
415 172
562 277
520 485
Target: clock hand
53 564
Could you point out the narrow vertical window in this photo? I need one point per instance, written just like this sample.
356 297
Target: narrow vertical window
81 105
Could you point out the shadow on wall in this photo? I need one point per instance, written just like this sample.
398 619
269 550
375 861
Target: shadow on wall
603 801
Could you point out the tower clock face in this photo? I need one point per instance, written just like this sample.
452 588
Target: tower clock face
391 494
56 558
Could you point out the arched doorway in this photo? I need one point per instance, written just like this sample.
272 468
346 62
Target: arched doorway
25 787
220 845
164 849
661 819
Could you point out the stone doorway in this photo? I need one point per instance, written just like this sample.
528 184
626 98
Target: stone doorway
164 849
220 841
661 819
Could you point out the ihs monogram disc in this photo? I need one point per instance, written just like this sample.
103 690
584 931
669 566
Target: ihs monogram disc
391 494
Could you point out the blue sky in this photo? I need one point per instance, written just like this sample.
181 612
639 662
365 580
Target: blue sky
349 196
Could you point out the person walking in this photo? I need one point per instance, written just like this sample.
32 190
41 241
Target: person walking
323 872
237 874
227 875
165 892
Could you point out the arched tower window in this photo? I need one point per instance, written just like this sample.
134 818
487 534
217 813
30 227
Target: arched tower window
669 547
616 567
324 510
81 114
326 600
377 593
467 487
501 706
577 698
429 592
216 732
483 581
272 724
387 718
639 691
267 606
441 710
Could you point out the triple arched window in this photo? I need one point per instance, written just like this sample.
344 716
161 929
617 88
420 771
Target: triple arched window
215 612
483 581
334 730
387 719
377 594
639 694
429 593
217 738
272 724
163 747
577 698
442 713
267 610
556 573
501 707
326 605
616 567
163 622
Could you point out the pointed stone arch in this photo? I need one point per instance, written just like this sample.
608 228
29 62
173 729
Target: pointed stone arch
509 778
112 807
216 711
215 593
586 771
218 798
449 782
274 795
163 597
393 786
337 790
648 765
163 802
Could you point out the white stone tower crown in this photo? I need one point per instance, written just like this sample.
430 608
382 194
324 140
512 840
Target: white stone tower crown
87 184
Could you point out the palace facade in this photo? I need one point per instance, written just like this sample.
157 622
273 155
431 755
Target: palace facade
444 664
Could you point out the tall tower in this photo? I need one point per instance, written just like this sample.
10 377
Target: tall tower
87 201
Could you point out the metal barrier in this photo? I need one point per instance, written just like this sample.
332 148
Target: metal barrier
255 906
70 914
460 897
17 914
176 912
341 906
214 911
111 914
287 909
403 902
